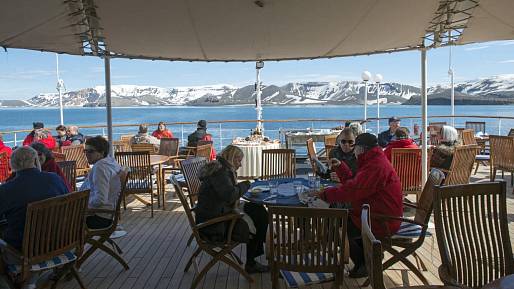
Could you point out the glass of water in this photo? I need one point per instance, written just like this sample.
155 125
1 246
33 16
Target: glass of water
298 187
273 185
312 181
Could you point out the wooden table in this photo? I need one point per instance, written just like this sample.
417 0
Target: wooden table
506 282
158 160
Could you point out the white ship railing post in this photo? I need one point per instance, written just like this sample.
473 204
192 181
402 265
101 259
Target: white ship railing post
424 112
366 76
108 103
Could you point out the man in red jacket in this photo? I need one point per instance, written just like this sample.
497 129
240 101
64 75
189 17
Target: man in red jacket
375 183
402 140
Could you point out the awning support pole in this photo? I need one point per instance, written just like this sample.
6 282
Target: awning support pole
108 104
424 104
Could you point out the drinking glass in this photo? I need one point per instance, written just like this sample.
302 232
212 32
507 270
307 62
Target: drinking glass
298 187
273 185
317 183
312 181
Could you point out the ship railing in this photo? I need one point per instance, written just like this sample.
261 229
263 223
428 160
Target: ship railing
224 131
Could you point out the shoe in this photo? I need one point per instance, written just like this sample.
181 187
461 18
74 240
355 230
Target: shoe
358 272
256 268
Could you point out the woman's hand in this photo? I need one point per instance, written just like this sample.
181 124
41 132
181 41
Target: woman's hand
334 163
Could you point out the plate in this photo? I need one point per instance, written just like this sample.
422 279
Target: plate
261 187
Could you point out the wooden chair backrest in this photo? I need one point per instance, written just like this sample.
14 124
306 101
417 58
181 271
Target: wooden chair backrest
307 239
330 139
311 153
203 151
372 251
511 132
407 163
187 209
278 163
55 226
120 146
191 168
502 152
123 175
434 131
477 126
169 146
468 137
328 149
472 233
462 165
59 157
5 168
139 179
126 138
69 169
426 198
76 153
143 147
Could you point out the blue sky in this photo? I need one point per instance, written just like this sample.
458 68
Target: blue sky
24 74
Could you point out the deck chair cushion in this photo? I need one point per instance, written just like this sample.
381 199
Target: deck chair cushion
482 157
409 231
297 279
45 265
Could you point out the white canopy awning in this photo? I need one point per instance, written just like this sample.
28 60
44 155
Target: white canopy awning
247 30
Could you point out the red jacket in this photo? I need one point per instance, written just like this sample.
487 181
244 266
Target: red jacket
375 183
399 144
160 134
52 167
5 169
49 142
5 149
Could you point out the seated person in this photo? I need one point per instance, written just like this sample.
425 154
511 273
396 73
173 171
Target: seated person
29 185
343 152
375 183
48 164
386 136
199 134
43 136
401 140
4 167
30 137
61 138
3 148
442 155
162 131
143 137
219 194
103 181
74 136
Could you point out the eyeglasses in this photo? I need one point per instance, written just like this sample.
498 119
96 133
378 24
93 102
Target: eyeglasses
89 151
347 141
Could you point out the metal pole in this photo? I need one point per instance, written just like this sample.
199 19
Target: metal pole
424 113
59 89
108 104
452 97
365 104
258 108
378 108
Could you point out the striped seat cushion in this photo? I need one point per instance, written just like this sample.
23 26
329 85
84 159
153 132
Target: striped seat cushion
45 265
409 231
482 157
297 279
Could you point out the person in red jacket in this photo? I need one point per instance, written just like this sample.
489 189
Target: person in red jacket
5 167
4 148
39 134
402 140
375 183
30 137
162 131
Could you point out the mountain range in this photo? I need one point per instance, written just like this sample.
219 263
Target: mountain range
492 90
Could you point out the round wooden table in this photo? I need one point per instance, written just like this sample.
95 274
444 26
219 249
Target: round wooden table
506 282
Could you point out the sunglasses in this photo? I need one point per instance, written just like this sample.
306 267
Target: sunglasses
349 141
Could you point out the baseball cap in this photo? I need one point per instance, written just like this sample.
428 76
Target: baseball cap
202 123
393 119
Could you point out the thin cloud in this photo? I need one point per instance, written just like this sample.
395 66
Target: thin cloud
507 61
476 48
27 74
505 43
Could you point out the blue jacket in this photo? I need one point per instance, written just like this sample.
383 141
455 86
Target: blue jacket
27 186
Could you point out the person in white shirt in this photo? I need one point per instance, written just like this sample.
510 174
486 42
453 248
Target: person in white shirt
103 181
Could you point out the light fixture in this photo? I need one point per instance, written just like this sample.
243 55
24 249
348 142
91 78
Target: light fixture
259 64
366 76
378 78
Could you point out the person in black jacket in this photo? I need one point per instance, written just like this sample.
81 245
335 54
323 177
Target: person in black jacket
219 194
198 134
386 136
343 152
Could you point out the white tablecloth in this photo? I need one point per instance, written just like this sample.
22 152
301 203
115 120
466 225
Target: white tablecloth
251 164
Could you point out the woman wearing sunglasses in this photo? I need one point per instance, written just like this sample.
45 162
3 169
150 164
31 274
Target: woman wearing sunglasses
343 152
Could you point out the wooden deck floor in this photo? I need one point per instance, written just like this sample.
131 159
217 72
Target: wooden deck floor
156 251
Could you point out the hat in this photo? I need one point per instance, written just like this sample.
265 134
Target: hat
202 123
38 125
367 140
143 129
393 119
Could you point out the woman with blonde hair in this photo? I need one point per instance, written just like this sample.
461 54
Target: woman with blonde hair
219 195
442 154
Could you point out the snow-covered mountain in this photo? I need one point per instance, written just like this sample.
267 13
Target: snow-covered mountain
492 90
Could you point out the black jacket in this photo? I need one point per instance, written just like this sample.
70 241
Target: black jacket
199 134
384 138
219 191
347 158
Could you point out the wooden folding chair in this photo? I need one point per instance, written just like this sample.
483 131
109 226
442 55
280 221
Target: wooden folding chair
218 251
311 154
407 163
468 137
373 256
502 156
59 157
476 126
53 238
126 138
472 232
307 240
69 169
278 163
98 238
168 147
76 153
330 143
462 165
203 151
412 233
143 147
121 146
140 178
5 168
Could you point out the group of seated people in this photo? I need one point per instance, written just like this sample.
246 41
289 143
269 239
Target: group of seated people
64 137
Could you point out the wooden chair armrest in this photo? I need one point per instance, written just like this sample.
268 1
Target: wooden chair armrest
386 217
448 280
224 218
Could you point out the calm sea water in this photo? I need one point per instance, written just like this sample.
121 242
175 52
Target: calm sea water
22 118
